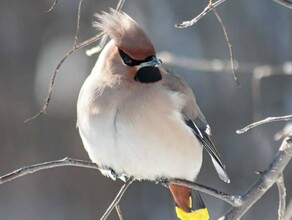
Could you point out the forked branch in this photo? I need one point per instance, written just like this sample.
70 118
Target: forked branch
211 7
240 204
264 182
74 48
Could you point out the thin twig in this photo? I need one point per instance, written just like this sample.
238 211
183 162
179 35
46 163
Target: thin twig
119 212
231 199
52 81
222 66
46 165
104 38
194 64
53 6
117 198
78 23
73 49
240 203
282 197
288 214
265 121
212 6
285 3
229 46
266 180
234 200
209 7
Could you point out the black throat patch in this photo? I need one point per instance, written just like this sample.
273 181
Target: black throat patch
148 74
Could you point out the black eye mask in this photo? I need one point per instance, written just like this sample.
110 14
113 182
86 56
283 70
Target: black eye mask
145 74
129 61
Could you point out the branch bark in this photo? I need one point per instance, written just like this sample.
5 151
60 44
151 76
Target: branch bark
264 182
229 46
285 3
46 165
209 8
234 200
74 48
117 199
282 197
240 204
265 121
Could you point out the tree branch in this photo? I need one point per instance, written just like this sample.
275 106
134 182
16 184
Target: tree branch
282 197
231 199
285 3
288 215
46 165
81 163
265 121
74 48
119 212
103 40
264 182
209 7
240 203
52 81
117 199
229 46
53 6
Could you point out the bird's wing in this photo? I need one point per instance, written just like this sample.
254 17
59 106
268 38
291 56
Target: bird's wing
195 119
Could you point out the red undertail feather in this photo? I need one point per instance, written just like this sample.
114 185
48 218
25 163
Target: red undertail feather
181 196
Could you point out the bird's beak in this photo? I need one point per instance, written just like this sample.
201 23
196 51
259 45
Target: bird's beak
153 62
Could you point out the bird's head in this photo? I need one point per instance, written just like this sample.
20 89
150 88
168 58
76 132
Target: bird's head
133 52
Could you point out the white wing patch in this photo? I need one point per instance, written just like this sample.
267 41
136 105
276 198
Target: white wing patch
203 135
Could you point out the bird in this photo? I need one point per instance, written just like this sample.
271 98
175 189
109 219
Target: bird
138 120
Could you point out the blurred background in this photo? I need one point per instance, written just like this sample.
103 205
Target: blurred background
32 42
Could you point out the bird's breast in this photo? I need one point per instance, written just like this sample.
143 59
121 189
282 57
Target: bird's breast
138 131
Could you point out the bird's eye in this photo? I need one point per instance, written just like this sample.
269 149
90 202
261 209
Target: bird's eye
126 58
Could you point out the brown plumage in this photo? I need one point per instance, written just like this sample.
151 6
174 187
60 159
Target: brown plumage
126 33
181 196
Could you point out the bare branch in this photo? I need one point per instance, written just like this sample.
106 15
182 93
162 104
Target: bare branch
190 63
74 48
288 215
46 165
229 46
282 197
285 3
240 203
52 81
103 40
234 200
117 199
209 7
266 180
265 121
78 23
231 199
119 212
53 6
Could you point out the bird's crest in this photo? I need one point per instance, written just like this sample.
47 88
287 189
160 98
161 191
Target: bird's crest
126 33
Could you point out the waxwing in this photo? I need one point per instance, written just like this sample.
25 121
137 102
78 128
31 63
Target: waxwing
138 120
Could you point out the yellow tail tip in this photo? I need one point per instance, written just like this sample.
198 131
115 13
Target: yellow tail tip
200 214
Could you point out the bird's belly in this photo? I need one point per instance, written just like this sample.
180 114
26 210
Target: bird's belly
144 151
148 143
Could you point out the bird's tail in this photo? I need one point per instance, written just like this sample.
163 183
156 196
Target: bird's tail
189 206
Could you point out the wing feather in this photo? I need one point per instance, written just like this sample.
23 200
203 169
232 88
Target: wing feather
195 119
208 145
